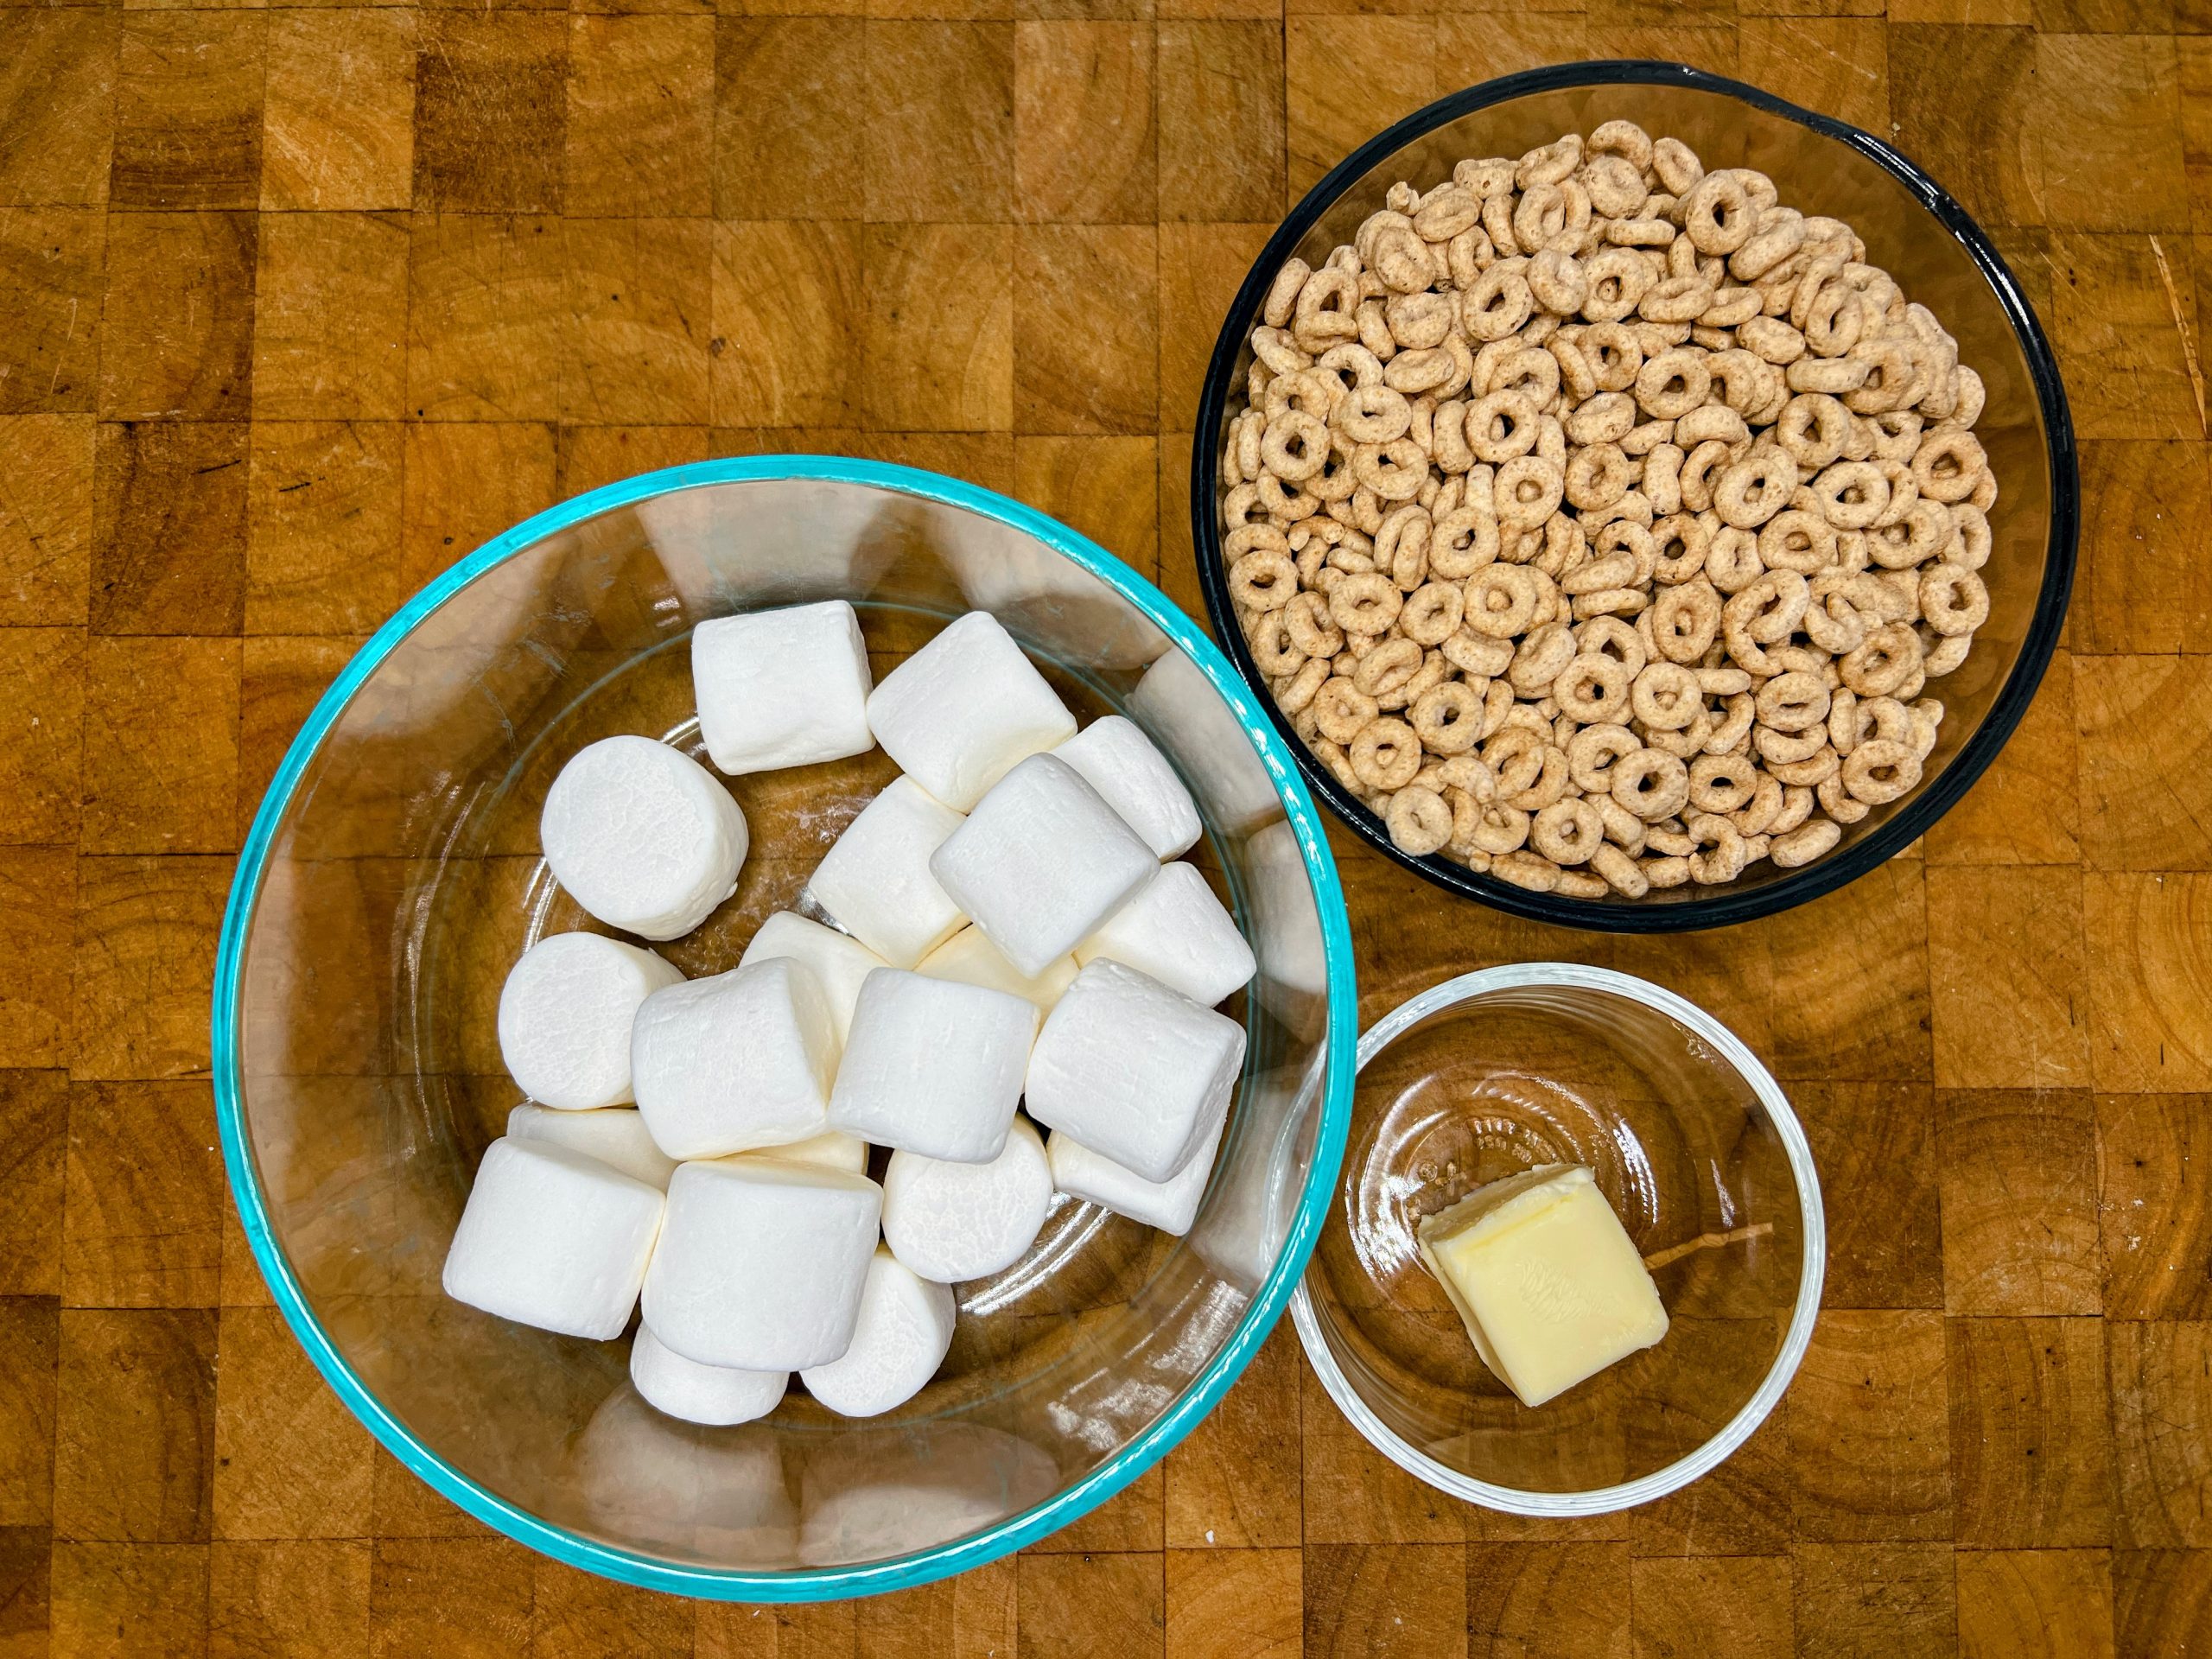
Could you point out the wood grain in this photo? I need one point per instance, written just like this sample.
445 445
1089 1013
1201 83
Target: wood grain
304 304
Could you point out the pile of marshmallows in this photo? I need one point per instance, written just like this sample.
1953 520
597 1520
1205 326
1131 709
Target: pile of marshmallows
1013 876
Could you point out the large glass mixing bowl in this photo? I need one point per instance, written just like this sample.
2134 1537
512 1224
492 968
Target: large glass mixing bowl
392 876
1912 228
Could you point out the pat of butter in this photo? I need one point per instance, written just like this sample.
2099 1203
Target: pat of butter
1547 1279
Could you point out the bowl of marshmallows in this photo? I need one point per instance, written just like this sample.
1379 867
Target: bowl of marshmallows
784 1029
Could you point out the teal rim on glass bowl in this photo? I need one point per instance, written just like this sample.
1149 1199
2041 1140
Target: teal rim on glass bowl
1332 1067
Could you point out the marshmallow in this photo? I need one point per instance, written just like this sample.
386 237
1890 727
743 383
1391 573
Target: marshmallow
565 1014
738 1061
1118 760
761 1263
956 1222
934 1066
1176 931
972 959
552 1239
898 1341
828 1150
961 711
642 836
701 1394
1137 1073
1041 862
618 1139
1198 726
840 961
783 688
875 880
1170 1205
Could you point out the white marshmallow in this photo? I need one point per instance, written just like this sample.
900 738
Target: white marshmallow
961 711
898 1341
956 1222
701 1394
564 1018
1137 1073
1200 729
761 1263
552 1239
740 1060
785 688
828 1150
1170 1205
1178 932
972 959
840 961
1041 862
617 1138
1118 760
934 1066
642 836
875 879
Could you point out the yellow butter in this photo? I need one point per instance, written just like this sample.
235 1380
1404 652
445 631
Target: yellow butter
1546 1279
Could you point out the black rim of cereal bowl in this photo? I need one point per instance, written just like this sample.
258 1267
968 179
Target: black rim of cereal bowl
1725 906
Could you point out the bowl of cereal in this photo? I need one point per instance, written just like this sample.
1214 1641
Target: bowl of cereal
1642 504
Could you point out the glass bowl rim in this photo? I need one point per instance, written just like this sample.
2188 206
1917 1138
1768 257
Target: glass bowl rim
1726 906
1011 1532
1811 1274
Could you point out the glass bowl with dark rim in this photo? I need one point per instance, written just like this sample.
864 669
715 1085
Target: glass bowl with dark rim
1913 229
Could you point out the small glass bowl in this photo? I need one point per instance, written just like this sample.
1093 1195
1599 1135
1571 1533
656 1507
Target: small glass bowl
1691 1139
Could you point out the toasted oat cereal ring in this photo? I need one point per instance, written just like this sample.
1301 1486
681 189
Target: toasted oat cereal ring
1591 753
1385 754
1651 783
1463 543
1557 281
1753 816
1395 471
1313 630
1879 772
1528 490
1892 374
1953 600
1684 622
1533 372
1432 611
1755 489
1499 304
1699 472
1609 636
1614 351
1970 543
1717 216
1620 872
1498 830
1551 780
1516 755
1433 670
1263 580
1795 701
1671 872
1731 731
1768 609
1448 718
1673 383
1670 838
1543 215
1528 870
1341 710
1804 844
1834 319
1502 426
1946 654
1674 299
1294 446
1594 688
1282 293
1568 831
1390 665
1598 476
1419 821
1721 854
1610 602
1722 783
1614 569
1666 697
1268 635
1502 600
1889 659
1795 539
1254 538
1616 280
1373 414
1837 377
1783 750
1296 694
1839 803
1948 465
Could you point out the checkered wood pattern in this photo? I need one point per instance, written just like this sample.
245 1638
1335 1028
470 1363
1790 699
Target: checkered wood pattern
299 304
